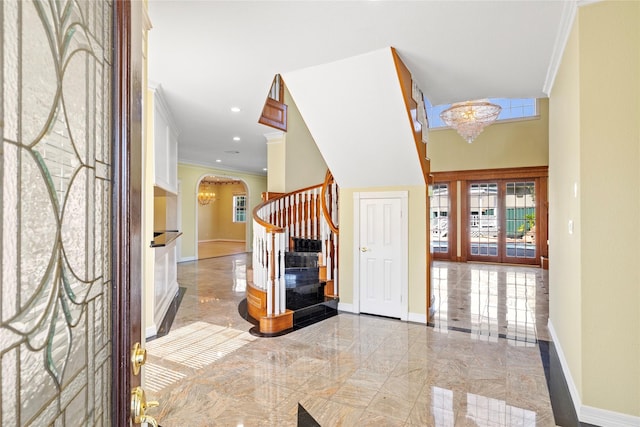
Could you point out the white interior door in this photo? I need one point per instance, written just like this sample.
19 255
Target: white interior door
380 249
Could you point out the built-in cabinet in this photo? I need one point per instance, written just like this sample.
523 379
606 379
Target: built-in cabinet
161 282
165 145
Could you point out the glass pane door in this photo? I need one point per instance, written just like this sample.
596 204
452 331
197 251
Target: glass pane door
520 214
439 213
483 221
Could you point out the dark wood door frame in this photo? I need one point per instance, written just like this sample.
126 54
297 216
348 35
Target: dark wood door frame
126 202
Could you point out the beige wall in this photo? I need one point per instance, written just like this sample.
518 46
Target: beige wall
276 162
306 166
564 172
417 247
506 144
597 145
215 220
189 176
293 159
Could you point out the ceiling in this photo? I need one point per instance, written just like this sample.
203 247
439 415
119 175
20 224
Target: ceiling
210 56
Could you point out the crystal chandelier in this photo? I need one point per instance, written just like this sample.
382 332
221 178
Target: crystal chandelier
205 195
471 117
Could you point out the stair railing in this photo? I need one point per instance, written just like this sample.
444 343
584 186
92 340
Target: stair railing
309 213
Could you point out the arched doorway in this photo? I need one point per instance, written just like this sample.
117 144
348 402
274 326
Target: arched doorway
222 216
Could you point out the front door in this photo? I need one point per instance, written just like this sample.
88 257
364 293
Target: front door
66 188
380 248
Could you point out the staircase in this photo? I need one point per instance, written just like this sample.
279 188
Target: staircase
295 260
305 289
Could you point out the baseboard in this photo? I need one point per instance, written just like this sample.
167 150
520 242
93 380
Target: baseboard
222 240
573 390
417 318
589 414
187 259
343 306
603 417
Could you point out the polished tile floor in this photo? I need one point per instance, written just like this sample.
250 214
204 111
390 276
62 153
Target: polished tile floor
477 364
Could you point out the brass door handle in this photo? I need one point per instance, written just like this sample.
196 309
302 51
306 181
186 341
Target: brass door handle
139 406
149 420
363 249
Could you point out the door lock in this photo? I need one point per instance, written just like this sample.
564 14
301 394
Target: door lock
138 357
139 406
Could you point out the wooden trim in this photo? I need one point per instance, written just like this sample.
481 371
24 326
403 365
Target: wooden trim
256 302
126 202
453 220
492 174
274 114
542 222
277 323
329 290
406 85
464 227
270 227
328 179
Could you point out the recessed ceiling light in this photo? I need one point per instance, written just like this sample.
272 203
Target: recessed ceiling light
235 109
236 138
264 169
218 160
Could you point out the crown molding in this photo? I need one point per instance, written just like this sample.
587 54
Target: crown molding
569 10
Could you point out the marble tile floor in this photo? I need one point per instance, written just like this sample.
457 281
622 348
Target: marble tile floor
220 248
478 364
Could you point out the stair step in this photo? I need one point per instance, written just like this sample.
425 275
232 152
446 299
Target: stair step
300 276
306 245
305 295
315 313
300 259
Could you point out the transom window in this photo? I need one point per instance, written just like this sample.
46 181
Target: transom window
512 108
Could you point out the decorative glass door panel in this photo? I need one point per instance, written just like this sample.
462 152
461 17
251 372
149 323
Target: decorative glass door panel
55 167
484 221
439 218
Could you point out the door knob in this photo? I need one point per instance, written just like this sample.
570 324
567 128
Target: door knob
139 406
363 249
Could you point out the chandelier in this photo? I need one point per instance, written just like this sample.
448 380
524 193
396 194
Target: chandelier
205 195
471 117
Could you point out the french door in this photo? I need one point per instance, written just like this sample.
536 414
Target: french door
500 220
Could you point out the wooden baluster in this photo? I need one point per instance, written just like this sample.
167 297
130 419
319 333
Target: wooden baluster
334 258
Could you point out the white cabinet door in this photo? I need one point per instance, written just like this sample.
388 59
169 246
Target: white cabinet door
165 146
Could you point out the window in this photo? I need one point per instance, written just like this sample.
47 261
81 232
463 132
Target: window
512 108
240 208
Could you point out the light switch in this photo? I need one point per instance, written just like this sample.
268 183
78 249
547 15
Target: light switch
570 226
